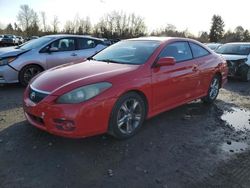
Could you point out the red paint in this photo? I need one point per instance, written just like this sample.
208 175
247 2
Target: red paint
164 87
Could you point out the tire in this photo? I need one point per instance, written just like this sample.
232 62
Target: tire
245 73
213 90
27 73
127 116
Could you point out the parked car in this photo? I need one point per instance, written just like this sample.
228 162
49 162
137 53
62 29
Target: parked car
119 87
20 40
9 40
237 56
20 64
214 46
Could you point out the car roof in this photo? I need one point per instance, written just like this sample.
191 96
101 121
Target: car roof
163 39
239 43
160 39
69 35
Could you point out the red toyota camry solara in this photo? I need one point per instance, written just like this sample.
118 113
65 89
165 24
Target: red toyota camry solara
121 86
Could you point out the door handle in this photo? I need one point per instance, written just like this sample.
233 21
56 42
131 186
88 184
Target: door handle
73 54
195 68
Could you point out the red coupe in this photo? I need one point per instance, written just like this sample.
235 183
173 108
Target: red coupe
121 86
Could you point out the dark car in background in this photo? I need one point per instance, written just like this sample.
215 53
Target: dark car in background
9 40
237 56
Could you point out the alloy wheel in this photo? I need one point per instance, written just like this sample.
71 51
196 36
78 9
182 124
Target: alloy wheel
129 116
30 73
214 88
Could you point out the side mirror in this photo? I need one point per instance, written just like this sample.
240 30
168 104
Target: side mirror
53 49
166 61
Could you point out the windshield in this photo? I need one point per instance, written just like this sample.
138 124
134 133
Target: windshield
8 36
234 49
36 43
128 52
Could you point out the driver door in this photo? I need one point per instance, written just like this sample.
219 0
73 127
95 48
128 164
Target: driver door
174 84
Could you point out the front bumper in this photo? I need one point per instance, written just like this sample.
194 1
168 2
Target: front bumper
88 118
8 75
235 66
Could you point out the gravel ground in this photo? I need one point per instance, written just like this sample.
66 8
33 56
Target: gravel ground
190 146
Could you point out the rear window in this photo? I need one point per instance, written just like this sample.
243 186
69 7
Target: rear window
85 43
198 51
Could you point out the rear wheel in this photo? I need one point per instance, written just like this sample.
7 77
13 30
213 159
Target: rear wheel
213 90
28 72
127 116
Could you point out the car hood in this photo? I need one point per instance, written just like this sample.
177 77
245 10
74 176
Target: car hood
76 75
233 57
11 51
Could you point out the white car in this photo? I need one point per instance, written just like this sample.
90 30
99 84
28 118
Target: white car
22 63
237 56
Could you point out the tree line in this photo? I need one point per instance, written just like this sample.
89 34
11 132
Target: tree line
116 25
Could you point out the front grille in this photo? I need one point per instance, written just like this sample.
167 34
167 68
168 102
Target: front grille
36 96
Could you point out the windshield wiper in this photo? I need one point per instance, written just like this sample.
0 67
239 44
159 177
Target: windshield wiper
109 61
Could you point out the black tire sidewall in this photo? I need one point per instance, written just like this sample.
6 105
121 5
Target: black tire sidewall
21 73
113 128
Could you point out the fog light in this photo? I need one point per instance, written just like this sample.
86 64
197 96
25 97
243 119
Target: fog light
65 125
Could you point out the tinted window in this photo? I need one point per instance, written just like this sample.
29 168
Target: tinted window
128 52
84 43
198 51
66 44
179 50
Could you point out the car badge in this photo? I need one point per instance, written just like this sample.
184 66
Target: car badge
32 95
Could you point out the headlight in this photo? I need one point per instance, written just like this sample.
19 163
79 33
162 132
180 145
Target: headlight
6 61
83 93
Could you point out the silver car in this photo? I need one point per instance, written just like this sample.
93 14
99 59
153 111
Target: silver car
21 63
237 56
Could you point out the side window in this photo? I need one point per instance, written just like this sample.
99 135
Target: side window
66 44
179 50
198 51
84 43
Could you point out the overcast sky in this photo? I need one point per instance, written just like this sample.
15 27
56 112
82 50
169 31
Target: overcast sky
194 15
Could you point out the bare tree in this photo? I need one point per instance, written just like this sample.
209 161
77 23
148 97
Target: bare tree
119 25
43 16
28 20
85 26
24 17
55 23
69 27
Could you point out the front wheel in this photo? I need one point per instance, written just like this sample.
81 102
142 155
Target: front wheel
213 90
127 116
28 72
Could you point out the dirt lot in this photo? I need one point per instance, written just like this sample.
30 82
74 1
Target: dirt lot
191 146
